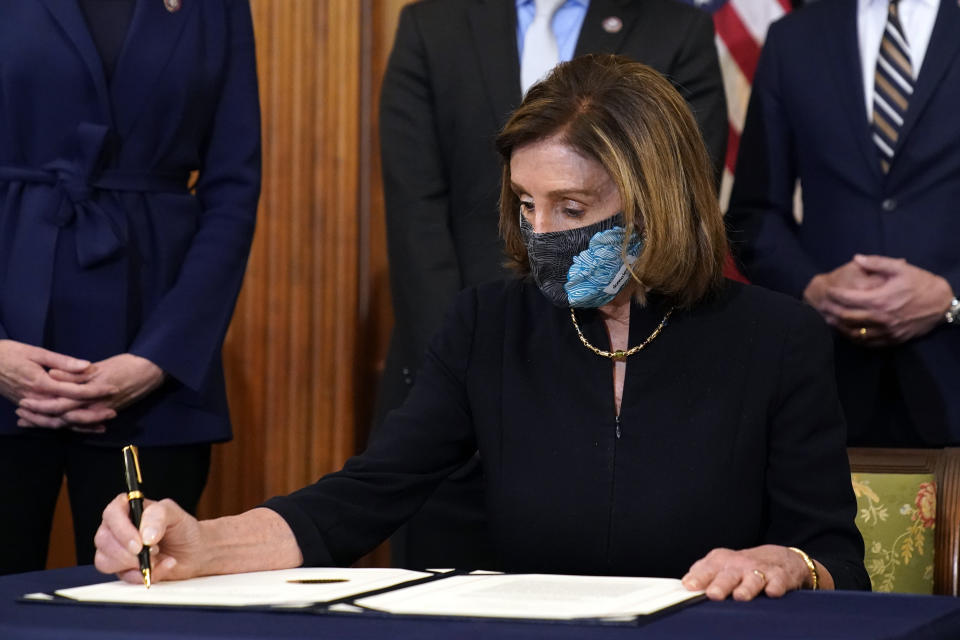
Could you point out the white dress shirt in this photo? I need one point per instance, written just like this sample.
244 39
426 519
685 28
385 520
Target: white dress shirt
917 18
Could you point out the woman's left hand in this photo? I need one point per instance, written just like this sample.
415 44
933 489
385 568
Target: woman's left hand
132 376
769 569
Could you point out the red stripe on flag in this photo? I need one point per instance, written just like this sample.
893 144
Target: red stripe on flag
741 45
733 145
731 271
786 5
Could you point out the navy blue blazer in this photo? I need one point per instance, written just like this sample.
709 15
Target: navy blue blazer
98 173
807 120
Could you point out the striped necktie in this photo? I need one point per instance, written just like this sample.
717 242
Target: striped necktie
893 87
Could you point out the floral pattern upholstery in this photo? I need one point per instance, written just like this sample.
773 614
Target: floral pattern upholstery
896 515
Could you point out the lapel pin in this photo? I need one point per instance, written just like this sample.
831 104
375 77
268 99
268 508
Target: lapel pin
613 24
172 5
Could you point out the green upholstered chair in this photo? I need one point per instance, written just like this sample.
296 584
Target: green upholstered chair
908 511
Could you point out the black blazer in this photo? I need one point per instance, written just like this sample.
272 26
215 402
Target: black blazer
451 83
730 434
807 120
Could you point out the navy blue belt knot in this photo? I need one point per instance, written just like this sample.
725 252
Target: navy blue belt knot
77 178
71 180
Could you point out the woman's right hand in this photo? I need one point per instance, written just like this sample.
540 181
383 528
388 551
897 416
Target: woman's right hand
24 375
182 547
174 536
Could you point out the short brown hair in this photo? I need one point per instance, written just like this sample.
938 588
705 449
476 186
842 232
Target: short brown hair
630 119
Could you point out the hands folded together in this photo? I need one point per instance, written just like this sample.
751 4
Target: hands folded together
878 301
53 390
183 547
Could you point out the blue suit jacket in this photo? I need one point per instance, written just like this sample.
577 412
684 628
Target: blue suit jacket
94 176
807 119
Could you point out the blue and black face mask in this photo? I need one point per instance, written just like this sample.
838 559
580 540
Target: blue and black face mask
581 267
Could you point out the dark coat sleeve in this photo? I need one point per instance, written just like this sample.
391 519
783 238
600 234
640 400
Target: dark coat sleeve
184 333
346 514
696 74
424 270
760 217
810 497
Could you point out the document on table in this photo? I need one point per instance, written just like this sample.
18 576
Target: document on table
287 587
475 595
534 596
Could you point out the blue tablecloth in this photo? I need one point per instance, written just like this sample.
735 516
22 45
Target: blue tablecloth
806 615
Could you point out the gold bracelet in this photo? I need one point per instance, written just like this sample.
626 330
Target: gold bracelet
812 568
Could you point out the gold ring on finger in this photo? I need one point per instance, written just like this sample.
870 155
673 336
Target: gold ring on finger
760 574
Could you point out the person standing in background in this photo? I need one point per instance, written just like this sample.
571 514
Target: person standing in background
457 70
117 282
867 124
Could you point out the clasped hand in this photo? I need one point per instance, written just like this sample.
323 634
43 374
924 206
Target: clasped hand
53 390
878 301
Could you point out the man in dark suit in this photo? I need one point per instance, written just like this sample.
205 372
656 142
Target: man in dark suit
452 81
867 122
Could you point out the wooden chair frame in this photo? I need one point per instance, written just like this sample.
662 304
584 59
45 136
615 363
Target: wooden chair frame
944 464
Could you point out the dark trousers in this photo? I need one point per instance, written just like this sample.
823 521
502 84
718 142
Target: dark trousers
874 406
32 468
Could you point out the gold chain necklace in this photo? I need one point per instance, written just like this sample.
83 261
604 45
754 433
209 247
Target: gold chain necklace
619 353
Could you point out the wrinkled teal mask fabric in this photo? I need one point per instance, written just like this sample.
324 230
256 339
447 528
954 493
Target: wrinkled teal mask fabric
580 267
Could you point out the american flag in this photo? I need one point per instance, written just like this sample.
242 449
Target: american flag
741 27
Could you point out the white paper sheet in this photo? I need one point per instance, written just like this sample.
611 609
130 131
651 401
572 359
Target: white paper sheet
534 596
286 587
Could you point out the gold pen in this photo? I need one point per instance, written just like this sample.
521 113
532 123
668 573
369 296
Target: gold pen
131 471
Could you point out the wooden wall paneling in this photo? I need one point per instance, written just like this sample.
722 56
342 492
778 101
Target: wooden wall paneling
238 474
291 350
61 551
338 182
375 311
295 350
290 337
376 307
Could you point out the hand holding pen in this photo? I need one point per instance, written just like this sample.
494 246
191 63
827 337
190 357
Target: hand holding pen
176 539
184 547
131 471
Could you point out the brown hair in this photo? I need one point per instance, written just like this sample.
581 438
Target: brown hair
630 119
